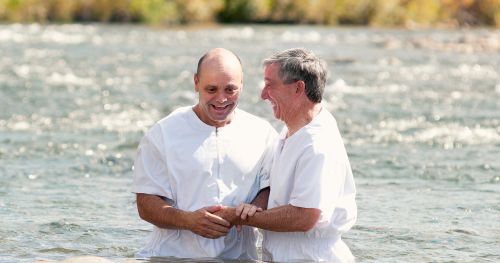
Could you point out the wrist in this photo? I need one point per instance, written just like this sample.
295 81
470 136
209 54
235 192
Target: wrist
185 220
230 216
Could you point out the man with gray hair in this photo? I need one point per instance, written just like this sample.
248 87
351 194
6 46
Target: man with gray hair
312 198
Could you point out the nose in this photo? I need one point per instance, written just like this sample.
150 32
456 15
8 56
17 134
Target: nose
221 97
263 94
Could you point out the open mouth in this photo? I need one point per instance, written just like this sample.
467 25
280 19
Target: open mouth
273 104
221 108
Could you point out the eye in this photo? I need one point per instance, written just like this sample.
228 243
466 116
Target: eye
231 90
211 90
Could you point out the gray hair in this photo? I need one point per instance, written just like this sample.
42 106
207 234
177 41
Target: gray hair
300 64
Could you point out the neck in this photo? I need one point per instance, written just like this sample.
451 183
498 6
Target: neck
208 121
303 117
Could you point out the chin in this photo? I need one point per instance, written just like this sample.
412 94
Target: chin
276 115
220 119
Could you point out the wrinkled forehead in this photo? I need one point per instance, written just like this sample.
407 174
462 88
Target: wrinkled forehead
272 71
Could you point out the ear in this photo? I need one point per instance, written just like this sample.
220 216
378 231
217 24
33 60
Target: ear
241 87
300 87
196 81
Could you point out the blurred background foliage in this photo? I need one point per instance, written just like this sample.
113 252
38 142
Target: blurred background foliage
330 12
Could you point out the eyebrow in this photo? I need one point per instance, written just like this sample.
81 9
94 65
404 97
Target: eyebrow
210 86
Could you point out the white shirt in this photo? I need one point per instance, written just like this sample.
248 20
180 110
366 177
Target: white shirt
311 170
196 165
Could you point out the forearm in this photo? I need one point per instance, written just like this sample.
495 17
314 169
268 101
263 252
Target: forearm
261 199
158 212
286 218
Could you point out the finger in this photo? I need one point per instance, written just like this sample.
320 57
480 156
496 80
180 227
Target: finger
245 211
238 228
213 233
239 209
259 209
211 229
213 209
252 211
218 230
218 220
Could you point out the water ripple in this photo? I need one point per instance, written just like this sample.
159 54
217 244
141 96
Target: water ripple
418 110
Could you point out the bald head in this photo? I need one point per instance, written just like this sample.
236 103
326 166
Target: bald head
219 82
218 58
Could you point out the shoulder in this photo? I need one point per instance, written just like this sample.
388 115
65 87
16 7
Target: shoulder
177 119
323 128
174 120
323 137
178 114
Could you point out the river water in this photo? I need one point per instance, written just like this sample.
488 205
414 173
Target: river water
419 111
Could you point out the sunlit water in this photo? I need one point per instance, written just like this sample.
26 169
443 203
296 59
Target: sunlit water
419 112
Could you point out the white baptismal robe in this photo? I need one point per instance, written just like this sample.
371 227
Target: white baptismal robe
311 170
196 165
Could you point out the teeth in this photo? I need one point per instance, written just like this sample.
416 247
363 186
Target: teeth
220 108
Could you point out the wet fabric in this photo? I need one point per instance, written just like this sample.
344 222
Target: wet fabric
195 165
311 170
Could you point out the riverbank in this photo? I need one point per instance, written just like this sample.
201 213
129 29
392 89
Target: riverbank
401 13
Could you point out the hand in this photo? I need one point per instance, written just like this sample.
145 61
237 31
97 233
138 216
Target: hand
246 210
228 214
206 224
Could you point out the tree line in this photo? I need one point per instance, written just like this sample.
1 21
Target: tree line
326 12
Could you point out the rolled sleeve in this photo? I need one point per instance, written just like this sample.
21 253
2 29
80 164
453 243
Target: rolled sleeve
150 169
265 169
267 160
318 183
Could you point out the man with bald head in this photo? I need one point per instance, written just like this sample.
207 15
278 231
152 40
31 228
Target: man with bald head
199 160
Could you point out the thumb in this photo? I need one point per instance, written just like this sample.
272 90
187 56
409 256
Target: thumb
213 209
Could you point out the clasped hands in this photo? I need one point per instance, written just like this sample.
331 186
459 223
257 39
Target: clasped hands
216 221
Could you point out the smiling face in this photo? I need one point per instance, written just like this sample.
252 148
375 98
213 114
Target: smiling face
219 84
280 95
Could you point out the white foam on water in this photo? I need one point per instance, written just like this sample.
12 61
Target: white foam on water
19 126
454 133
301 37
475 71
55 36
8 35
418 130
238 33
340 86
22 71
37 53
68 79
130 120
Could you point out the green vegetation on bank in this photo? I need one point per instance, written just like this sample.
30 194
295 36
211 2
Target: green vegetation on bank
331 12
